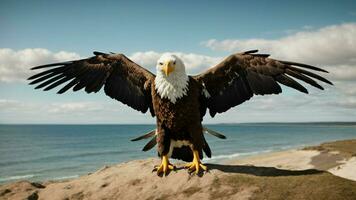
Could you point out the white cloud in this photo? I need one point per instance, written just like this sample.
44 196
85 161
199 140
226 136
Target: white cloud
146 59
345 103
75 107
346 88
197 63
281 101
341 72
11 105
15 65
7 105
110 111
331 45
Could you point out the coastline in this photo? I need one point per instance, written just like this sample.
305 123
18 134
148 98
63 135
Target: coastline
324 171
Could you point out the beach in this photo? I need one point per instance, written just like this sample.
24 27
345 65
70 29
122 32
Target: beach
325 171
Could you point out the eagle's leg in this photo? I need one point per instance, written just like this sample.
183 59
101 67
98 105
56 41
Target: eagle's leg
195 165
165 166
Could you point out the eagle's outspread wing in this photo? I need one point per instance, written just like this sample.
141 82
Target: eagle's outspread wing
240 76
122 79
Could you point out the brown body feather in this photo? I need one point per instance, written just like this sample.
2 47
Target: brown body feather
179 121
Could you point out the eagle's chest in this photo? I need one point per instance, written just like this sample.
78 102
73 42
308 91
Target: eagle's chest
186 102
183 109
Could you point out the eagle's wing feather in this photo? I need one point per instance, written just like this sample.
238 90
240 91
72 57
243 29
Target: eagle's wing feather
122 79
240 76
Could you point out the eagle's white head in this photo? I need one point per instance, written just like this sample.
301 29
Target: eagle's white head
171 81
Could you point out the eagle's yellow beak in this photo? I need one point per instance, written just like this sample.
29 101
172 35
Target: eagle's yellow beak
168 67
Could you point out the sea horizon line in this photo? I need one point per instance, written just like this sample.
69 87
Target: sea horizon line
222 123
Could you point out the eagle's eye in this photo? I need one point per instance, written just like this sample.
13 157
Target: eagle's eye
174 62
161 63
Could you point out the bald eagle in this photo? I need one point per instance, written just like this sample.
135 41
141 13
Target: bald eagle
177 100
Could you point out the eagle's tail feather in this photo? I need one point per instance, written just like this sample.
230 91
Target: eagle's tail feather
150 144
214 133
145 136
183 153
206 148
180 153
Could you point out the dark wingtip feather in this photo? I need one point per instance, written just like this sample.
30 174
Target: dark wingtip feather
145 136
32 82
68 86
301 88
304 65
250 51
320 78
327 81
56 83
98 53
287 81
51 65
317 86
262 55
47 88
304 78
61 91
38 87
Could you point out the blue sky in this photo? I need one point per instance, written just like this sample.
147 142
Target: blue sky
209 31
129 26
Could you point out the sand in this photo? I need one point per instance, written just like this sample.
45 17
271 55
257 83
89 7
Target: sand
291 159
323 172
338 158
346 170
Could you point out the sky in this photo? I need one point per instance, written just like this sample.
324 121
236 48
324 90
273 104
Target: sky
320 33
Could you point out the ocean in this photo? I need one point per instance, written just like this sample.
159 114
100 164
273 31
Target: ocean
57 152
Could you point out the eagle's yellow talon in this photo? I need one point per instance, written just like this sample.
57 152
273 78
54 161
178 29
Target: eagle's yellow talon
195 165
203 167
188 165
165 166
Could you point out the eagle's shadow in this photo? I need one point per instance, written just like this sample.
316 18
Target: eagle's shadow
261 171
250 170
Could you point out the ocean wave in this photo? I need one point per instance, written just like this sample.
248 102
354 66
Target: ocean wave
10 178
66 177
218 157
61 157
234 155
287 147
